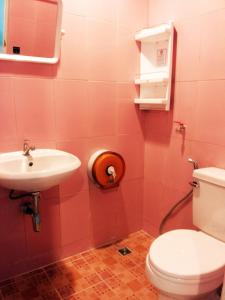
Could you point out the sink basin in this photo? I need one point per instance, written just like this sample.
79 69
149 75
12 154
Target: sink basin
42 170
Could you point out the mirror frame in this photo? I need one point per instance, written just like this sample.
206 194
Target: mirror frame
37 59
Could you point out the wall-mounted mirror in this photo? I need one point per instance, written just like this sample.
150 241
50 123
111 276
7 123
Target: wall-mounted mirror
30 30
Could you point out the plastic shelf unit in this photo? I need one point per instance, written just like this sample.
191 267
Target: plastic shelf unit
156 60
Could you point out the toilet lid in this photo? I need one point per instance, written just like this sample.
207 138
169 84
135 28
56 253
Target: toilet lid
188 254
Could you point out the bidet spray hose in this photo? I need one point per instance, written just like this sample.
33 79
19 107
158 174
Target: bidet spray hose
186 198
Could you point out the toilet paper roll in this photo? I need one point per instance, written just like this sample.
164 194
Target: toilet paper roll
106 168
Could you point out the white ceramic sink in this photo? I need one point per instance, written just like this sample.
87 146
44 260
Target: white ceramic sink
42 170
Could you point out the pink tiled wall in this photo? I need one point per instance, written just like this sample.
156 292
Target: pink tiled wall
199 101
83 104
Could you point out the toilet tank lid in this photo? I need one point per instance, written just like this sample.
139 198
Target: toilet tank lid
212 175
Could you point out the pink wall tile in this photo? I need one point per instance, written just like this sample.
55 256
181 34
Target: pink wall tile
210 116
208 5
128 120
127 56
86 103
75 218
49 238
9 68
188 46
107 209
131 147
208 154
7 112
70 98
133 14
102 142
182 218
102 10
186 100
73 60
80 105
178 171
12 236
34 109
212 62
78 181
158 124
156 163
102 56
153 198
75 7
128 117
198 102
132 192
163 10
102 108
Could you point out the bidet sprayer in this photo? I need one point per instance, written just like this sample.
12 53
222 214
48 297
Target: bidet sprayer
194 162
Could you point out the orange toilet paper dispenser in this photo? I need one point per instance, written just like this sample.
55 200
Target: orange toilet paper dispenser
106 168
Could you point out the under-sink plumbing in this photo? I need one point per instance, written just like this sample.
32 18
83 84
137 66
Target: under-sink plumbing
30 207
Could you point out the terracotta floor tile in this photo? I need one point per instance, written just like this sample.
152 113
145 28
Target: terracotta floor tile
102 290
97 274
133 297
104 272
9 290
51 295
31 293
93 279
135 285
80 284
65 291
7 282
16 296
31 274
82 266
147 294
110 261
71 273
53 272
86 295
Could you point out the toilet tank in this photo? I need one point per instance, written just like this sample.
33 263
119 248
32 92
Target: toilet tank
209 201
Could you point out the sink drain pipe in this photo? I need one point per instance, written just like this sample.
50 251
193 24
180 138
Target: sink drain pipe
29 208
12 195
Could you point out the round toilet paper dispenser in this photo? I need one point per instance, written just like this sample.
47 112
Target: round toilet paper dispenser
106 168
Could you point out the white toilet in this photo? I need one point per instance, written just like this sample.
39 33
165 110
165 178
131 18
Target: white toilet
189 264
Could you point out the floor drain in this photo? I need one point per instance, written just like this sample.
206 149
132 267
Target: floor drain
124 251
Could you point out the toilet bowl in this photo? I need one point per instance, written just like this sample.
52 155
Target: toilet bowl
186 264
189 264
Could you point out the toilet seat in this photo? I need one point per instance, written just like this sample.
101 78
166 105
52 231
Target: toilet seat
186 262
187 255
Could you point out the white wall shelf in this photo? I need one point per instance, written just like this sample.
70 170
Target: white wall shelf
156 59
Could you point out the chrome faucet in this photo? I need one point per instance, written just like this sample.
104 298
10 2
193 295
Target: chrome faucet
27 148
194 163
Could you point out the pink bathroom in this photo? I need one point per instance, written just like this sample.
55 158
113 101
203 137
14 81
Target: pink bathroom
112 150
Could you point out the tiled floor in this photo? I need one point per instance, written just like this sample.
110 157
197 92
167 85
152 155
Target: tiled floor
98 274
